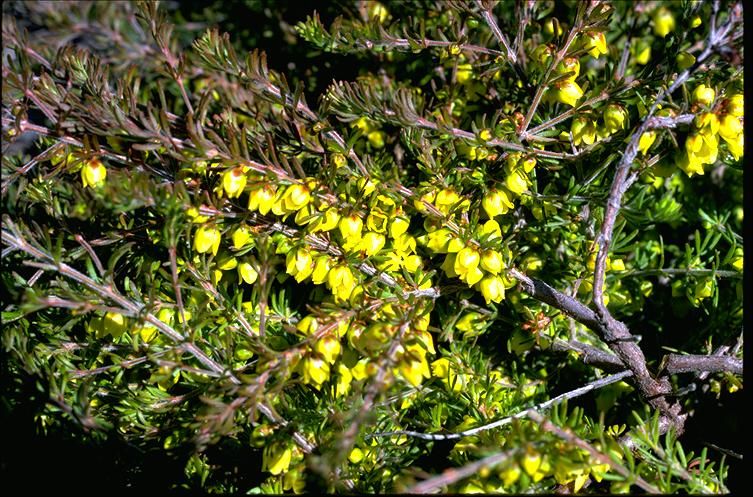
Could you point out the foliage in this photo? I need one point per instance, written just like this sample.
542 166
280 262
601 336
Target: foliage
363 287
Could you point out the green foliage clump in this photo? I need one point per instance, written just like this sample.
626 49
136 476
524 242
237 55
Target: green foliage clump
414 270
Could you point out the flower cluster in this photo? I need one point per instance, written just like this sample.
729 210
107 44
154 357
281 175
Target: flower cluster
702 144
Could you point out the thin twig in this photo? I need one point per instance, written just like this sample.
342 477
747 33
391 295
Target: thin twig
594 385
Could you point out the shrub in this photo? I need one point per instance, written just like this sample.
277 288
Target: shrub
513 205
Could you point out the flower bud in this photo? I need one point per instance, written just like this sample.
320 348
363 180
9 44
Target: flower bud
464 73
542 54
552 27
642 53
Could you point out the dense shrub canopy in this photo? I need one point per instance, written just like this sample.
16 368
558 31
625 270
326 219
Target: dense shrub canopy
351 250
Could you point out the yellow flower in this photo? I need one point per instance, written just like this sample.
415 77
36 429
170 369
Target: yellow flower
307 325
292 199
241 236
350 227
113 324
247 273
596 43
233 182
466 265
326 222
321 269
569 65
341 281
703 95
491 261
276 458
528 164
299 264
329 348
377 221
516 181
438 240
446 199
493 289
262 198
93 173
646 140
510 474
206 239
583 130
398 226
567 92
470 324
496 202
663 21
707 123
315 371
413 366
404 243
343 380
531 462
371 243
735 105
736 145
730 127
615 118
689 163
491 229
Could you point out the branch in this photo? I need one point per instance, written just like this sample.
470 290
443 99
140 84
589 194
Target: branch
678 363
594 385
616 335
620 183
